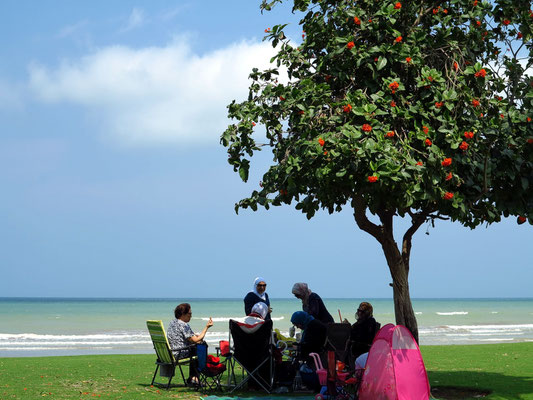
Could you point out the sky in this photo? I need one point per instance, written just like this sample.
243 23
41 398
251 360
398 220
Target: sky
113 182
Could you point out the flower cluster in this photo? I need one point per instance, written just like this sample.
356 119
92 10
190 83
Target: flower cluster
447 162
357 21
347 108
350 45
469 135
372 179
448 196
321 142
481 73
390 134
463 146
475 103
366 128
394 86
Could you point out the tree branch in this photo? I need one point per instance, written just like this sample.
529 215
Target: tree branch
359 206
417 220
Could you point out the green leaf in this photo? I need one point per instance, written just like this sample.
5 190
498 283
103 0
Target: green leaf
382 61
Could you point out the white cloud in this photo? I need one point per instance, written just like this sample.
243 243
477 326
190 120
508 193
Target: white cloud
158 94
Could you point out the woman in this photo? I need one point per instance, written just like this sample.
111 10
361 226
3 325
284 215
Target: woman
180 336
311 302
257 295
256 318
313 333
364 330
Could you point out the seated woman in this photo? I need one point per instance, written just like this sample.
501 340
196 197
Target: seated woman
311 302
180 335
255 319
257 295
364 330
313 334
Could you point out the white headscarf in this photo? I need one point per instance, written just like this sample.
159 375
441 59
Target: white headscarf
260 309
262 295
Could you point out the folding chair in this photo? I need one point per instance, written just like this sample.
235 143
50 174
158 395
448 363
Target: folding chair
253 352
338 340
166 363
209 377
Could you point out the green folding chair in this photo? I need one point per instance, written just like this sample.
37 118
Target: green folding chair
166 363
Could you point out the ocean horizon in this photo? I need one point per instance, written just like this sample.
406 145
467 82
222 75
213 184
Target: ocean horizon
48 326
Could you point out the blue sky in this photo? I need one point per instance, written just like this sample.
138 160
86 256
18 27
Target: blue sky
113 182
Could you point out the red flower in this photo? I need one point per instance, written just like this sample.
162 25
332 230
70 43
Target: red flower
439 104
447 162
506 22
481 73
445 11
408 59
398 5
430 78
283 192
428 142
502 116
425 129
474 3
435 11
463 146
420 163
455 65
448 196
350 45
281 98
528 119
357 21
372 179
449 176
253 123
389 134
398 39
393 86
301 112
321 141
530 141
325 152
347 108
519 35
366 128
521 219
393 103
267 30
478 23
376 59
469 135
475 103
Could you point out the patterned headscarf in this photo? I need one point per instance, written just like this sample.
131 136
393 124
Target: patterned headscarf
302 290
260 309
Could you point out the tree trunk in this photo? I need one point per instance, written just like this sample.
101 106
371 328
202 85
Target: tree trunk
398 261
399 270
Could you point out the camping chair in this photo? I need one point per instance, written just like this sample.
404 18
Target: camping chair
209 373
166 362
338 340
253 352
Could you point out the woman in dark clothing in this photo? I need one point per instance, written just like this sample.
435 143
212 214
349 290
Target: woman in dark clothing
313 333
257 295
312 303
364 330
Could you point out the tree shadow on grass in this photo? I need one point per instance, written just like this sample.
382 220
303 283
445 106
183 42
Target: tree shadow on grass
469 385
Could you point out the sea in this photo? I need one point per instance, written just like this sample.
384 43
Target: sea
60 326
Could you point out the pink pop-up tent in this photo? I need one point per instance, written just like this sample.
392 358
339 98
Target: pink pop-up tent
394 368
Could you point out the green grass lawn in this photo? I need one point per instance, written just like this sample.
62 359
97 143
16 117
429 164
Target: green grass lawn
503 370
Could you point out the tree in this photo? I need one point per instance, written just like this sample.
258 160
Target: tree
416 109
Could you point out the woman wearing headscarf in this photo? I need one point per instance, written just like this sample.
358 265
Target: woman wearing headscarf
311 302
364 330
257 295
313 333
256 318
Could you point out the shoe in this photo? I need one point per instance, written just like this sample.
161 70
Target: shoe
193 381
